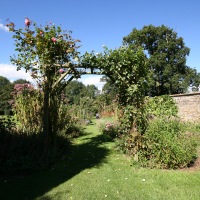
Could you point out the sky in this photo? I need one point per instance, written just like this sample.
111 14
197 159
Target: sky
100 22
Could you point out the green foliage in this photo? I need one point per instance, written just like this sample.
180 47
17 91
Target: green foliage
6 88
126 67
40 48
48 53
81 100
76 90
7 124
22 153
166 54
164 144
109 128
161 106
167 146
84 111
21 81
91 91
3 81
27 107
109 90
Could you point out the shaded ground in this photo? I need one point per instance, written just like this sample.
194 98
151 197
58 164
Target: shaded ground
84 155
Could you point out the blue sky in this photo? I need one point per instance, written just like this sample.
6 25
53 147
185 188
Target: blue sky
103 22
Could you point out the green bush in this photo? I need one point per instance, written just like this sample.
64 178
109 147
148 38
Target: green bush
165 145
110 129
154 108
22 152
1 112
161 106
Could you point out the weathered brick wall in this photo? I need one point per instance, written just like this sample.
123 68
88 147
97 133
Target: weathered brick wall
188 105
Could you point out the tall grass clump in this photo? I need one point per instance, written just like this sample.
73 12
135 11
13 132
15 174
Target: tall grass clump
167 146
22 152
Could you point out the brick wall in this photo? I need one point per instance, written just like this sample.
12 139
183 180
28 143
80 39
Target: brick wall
188 105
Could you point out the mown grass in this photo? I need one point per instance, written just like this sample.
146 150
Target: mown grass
95 171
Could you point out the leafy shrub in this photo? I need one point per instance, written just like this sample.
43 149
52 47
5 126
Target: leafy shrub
165 145
27 108
74 129
7 124
1 112
23 152
154 108
110 129
161 106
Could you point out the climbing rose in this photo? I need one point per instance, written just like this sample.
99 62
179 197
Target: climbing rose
61 71
53 39
27 22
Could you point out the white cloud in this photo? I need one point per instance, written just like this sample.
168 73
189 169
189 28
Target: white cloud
4 28
11 73
92 80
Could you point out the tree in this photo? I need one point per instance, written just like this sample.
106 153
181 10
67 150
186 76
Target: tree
193 78
81 99
21 81
74 91
48 53
109 90
6 88
91 91
166 53
106 101
3 81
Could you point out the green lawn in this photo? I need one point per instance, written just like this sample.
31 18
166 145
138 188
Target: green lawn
95 171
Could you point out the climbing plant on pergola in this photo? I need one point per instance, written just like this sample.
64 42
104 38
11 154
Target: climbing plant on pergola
51 56
126 68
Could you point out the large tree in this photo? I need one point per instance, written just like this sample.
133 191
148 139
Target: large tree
166 53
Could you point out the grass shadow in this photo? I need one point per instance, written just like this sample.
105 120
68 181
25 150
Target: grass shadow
100 139
82 156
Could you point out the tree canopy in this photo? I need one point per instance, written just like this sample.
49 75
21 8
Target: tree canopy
166 53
